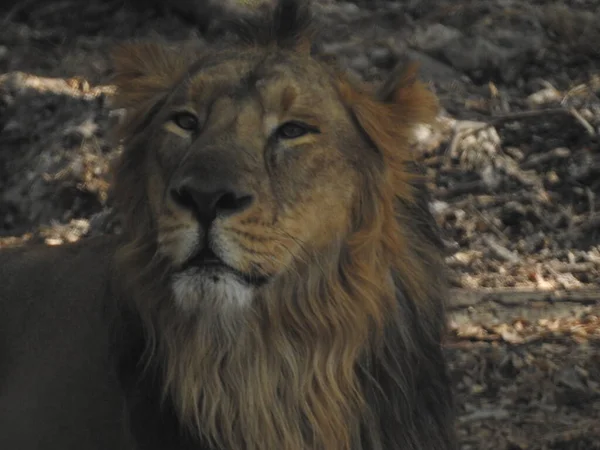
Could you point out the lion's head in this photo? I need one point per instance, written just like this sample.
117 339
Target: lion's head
269 216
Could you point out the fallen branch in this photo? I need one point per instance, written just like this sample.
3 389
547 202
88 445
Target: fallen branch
463 298
534 161
500 251
464 128
587 430
467 187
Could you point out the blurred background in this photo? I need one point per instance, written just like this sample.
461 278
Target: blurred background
513 165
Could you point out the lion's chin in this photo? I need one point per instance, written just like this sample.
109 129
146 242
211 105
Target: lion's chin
197 288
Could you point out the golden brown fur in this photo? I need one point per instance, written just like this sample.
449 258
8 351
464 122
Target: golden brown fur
337 228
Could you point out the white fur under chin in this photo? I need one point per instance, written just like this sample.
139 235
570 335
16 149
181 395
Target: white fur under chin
196 290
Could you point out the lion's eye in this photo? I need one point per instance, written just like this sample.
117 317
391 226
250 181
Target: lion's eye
293 130
185 120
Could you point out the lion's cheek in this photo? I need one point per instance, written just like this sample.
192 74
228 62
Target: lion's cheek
324 215
155 188
265 259
178 238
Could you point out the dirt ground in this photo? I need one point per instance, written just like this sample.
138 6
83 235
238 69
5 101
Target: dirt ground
513 163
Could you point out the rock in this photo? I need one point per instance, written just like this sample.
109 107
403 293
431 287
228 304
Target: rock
340 12
432 70
435 38
360 63
382 57
348 9
500 53
513 213
543 97
474 53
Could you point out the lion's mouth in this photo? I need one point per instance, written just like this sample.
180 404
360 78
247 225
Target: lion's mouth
208 261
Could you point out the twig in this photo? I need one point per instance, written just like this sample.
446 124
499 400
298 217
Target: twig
461 298
536 160
492 226
587 430
584 123
468 187
462 129
466 128
591 197
500 251
590 221
485 414
582 267
498 120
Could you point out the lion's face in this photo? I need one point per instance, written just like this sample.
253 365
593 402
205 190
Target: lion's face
252 164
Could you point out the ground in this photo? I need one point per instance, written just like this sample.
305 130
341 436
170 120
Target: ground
513 166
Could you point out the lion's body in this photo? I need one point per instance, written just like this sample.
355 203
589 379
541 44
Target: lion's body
64 349
58 387
278 284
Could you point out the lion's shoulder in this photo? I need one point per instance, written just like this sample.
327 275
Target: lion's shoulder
39 281
55 329
48 262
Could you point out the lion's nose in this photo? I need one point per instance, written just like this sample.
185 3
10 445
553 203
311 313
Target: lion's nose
209 200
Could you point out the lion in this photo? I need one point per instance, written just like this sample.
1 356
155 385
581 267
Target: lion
278 283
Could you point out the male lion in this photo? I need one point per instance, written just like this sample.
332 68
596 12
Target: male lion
278 284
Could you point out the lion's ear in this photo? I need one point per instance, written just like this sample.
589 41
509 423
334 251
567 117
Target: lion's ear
402 90
144 70
388 116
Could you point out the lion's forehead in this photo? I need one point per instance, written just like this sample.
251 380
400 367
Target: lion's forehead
275 82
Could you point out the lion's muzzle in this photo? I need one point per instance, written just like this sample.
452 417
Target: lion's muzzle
209 197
